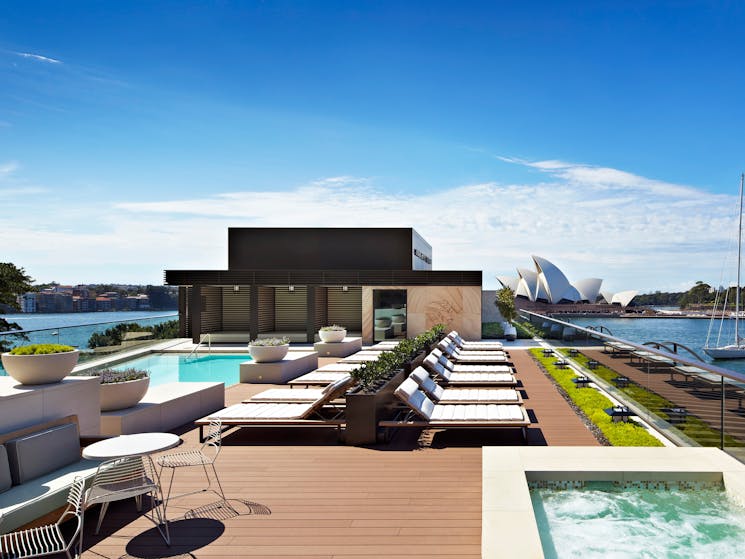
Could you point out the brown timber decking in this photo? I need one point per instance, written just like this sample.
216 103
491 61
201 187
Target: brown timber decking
298 493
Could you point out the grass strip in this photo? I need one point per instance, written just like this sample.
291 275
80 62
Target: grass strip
693 427
593 405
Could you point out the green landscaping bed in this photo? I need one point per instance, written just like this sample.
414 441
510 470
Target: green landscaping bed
692 427
593 404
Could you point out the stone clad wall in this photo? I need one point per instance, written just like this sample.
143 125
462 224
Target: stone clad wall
458 307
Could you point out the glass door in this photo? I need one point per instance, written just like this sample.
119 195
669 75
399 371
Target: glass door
389 314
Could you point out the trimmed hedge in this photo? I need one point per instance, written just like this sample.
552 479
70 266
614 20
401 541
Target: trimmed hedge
593 405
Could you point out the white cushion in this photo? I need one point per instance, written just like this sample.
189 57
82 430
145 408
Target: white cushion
289 395
422 378
321 377
417 400
483 395
483 368
476 412
503 378
261 410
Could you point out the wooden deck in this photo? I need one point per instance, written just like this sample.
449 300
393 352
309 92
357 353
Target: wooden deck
298 493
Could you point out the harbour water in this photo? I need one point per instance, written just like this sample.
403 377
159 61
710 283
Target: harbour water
75 329
690 332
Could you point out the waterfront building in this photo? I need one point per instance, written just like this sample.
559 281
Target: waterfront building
548 284
377 282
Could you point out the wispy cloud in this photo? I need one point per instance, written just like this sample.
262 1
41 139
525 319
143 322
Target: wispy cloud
39 57
635 232
7 168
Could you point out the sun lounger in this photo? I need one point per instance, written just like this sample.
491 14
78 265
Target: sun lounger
483 346
437 356
288 395
317 413
424 413
362 357
318 378
476 378
449 349
617 348
441 395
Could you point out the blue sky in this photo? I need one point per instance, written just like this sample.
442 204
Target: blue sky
606 138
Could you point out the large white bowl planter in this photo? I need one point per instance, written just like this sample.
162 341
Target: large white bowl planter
268 353
122 395
40 369
332 336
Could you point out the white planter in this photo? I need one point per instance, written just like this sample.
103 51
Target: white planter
40 369
122 395
268 353
332 336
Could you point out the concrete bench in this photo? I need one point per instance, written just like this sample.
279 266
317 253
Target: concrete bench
165 407
37 466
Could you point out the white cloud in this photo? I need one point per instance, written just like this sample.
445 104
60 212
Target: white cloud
7 168
39 57
634 232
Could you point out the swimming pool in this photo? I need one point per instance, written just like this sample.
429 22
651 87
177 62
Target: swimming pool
173 367
654 519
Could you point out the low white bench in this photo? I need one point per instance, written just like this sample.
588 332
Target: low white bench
165 407
38 464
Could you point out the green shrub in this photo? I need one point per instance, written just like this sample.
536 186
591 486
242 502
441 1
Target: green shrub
389 361
333 328
111 376
263 342
593 405
40 349
491 330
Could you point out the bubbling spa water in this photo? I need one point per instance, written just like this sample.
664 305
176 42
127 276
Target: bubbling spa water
654 520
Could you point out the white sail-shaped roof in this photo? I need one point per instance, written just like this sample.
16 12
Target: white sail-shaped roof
553 280
588 289
571 295
509 281
607 295
529 280
623 298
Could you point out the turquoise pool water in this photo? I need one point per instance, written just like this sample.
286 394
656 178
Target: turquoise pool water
600 520
172 367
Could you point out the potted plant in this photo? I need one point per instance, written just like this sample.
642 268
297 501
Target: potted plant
269 350
333 333
122 389
40 363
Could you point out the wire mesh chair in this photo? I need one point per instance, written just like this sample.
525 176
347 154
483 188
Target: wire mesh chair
204 456
122 478
48 539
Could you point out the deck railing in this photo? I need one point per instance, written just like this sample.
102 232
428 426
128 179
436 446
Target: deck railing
695 402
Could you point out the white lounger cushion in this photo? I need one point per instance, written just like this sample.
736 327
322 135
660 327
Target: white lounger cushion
288 395
261 410
338 367
460 342
477 412
486 378
417 400
465 395
319 377
483 395
432 362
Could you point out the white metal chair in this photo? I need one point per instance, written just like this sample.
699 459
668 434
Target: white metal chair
204 456
48 539
122 478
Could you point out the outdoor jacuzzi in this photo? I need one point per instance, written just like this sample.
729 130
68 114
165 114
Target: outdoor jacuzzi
612 502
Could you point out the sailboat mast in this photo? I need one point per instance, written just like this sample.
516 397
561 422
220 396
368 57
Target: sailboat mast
739 255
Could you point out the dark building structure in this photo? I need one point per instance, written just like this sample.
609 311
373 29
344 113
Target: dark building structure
377 282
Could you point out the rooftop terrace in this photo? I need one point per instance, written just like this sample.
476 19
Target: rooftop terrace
298 493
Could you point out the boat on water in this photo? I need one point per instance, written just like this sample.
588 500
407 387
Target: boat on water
736 349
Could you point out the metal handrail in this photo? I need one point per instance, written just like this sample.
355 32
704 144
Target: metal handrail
666 345
201 341
726 373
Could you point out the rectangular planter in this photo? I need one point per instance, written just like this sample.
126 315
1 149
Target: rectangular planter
365 410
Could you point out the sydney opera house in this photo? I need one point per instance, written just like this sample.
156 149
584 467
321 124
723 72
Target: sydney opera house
548 284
